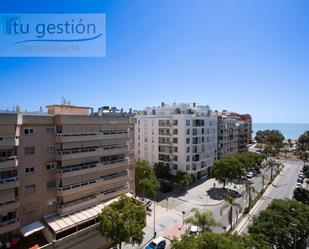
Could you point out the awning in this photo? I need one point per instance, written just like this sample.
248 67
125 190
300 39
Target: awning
31 228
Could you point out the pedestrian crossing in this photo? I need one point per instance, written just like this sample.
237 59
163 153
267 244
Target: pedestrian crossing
187 207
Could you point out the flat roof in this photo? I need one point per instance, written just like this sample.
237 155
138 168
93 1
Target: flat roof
60 223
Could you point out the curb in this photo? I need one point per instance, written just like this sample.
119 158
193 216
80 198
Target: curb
200 204
257 204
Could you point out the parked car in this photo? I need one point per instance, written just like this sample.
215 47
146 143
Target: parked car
250 174
158 243
195 230
299 185
301 180
166 189
301 176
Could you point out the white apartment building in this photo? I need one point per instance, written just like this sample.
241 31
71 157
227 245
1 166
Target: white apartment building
182 136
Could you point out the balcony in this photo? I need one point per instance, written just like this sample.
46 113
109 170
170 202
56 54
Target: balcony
90 168
9 205
92 184
92 151
8 163
10 225
90 200
80 137
9 142
7 183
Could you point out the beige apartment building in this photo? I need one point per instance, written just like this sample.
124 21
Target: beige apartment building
58 170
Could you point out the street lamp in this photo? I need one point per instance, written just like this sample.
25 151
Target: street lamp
167 203
183 217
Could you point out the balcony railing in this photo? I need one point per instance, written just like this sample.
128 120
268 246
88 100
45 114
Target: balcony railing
93 181
7 180
8 222
9 141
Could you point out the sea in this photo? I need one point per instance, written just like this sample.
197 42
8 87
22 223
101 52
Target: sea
292 131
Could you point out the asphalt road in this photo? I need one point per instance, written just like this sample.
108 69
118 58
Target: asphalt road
282 188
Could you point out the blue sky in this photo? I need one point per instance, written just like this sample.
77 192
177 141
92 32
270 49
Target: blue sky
246 56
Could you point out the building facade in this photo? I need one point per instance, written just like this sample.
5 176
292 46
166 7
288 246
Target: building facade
58 170
227 135
181 136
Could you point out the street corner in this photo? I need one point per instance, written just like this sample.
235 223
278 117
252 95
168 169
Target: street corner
176 232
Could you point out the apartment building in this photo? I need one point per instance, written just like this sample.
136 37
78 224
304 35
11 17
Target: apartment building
182 136
244 130
227 135
58 170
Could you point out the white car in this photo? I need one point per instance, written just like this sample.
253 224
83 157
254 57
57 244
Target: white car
299 185
250 174
195 230
158 243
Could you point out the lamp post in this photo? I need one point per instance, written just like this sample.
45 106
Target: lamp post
154 219
167 203
183 217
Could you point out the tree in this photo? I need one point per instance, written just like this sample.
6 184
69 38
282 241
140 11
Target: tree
303 140
204 220
264 177
123 221
270 137
249 190
302 195
283 223
231 204
227 169
146 182
219 241
183 179
162 171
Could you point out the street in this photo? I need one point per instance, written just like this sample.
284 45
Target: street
170 212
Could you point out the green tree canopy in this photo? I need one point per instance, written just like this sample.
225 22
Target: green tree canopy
123 221
280 222
219 241
270 137
303 140
204 220
146 183
227 169
162 171
183 178
233 206
302 195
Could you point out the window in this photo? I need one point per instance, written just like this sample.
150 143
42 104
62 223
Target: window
188 149
29 170
50 165
175 167
194 132
188 131
188 140
29 150
175 131
50 130
51 184
50 149
187 122
30 189
175 140
28 131
188 158
175 122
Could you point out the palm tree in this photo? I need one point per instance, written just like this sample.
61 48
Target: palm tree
231 204
249 189
204 220
271 165
264 177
